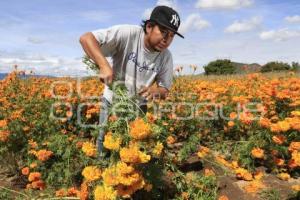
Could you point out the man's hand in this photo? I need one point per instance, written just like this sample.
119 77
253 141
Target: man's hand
106 74
151 93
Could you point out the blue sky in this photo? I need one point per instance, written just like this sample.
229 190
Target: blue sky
42 35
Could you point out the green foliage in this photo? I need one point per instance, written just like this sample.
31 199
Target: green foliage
275 66
271 194
219 67
90 63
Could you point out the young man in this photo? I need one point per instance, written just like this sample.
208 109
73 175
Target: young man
140 57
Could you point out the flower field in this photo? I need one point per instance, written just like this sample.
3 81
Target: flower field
246 127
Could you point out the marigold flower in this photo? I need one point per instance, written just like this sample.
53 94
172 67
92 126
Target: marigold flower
279 139
132 154
294 146
91 173
89 149
170 140
103 192
257 153
44 155
61 193
139 130
34 176
25 171
4 134
223 197
111 142
158 149
284 176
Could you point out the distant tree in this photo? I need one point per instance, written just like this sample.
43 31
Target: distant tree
219 67
295 66
275 66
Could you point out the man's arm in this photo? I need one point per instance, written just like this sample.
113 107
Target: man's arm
92 48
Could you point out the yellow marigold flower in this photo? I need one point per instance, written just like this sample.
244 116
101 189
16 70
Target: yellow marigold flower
243 174
203 152
91 173
110 176
139 129
111 143
103 192
257 153
296 113
296 187
132 154
158 149
43 155
284 176
89 149
284 126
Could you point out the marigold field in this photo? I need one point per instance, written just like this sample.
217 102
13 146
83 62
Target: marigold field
246 127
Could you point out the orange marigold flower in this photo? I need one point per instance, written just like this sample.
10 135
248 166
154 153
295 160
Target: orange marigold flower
91 173
3 123
4 134
34 176
33 165
294 146
139 129
171 140
296 188
39 184
89 149
257 153
223 197
25 171
72 192
230 123
44 155
279 139
61 193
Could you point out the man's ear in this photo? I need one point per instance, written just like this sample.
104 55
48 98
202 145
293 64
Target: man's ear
149 27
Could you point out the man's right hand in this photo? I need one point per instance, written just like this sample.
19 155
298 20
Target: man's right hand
106 74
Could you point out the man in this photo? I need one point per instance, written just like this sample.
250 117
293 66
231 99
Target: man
140 57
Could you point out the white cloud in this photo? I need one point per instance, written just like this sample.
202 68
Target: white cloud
45 65
293 19
244 25
96 15
193 22
280 35
223 4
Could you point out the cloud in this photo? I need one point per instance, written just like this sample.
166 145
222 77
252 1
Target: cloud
193 22
244 25
35 40
45 65
169 3
96 15
223 4
280 35
293 19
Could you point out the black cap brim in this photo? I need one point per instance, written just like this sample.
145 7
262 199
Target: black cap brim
169 28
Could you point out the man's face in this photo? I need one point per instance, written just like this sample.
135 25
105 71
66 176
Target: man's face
159 37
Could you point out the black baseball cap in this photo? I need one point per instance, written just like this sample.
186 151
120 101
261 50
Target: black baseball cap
166 17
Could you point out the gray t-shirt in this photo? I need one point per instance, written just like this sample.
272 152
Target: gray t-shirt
125 44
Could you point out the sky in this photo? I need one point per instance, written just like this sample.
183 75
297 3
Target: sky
43 35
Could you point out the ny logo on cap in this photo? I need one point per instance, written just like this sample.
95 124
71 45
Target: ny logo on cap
175 20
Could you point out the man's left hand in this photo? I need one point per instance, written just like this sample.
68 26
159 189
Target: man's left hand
150 93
